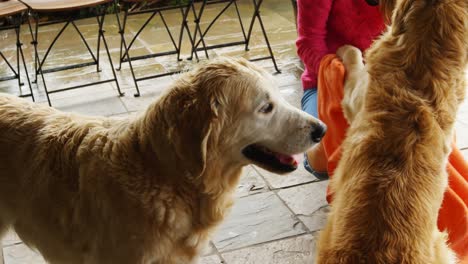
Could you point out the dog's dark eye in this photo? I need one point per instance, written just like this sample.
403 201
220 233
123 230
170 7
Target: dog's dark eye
267 108
373 2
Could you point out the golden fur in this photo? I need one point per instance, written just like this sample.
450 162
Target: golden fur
401 107
145 189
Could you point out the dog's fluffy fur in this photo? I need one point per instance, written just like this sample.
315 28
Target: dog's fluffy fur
401 106
146 189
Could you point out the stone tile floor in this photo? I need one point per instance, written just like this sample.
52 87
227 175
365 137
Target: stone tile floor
276 218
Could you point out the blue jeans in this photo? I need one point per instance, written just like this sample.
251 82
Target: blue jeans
309 102
309 105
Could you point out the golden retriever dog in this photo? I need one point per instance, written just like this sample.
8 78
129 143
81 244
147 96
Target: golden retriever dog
401 107
150 188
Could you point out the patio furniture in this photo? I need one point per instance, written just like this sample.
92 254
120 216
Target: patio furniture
246 36
294 4
13 11
153 12
40 7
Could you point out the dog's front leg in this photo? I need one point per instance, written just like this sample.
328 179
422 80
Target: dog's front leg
356 81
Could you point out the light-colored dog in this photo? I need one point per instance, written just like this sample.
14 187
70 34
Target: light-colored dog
401 107
146 189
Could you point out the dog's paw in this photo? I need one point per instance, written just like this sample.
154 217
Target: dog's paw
349 54
341 51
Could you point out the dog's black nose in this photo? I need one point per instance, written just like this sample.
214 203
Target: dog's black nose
318 131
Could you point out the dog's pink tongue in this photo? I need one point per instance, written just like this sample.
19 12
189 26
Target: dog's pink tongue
286 159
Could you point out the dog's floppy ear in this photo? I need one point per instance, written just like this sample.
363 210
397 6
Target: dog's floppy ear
191 119
195 102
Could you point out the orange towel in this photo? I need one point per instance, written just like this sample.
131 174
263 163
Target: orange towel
330 93
453 215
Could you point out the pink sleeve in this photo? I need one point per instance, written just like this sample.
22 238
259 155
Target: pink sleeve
312 28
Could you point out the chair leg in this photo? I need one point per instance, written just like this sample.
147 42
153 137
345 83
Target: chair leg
98 55
123 44
37 61
148 20
96 60
19 50
255 16
26 73
168 32
202 35
184 26
101 32
198 29
268 43
122 27
240 20
34 42
18 68
8 64
181 34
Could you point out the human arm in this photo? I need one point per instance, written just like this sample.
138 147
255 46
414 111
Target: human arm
312 29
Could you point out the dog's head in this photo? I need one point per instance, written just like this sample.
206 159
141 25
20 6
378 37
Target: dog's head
230 111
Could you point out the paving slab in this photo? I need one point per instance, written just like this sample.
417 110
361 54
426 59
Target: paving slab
21 254
296 250
250 182
256 219
308 203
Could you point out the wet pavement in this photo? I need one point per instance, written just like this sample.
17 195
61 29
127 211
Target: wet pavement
275 219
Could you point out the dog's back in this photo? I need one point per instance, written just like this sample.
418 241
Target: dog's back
22 125
390 181
40 185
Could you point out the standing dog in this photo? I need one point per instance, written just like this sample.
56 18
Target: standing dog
401 107
147 189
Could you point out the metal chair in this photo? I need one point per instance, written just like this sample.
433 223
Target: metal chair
246 36
13 11
294 4
154 12
39 7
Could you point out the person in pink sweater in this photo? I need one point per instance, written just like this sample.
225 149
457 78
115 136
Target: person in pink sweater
323 27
